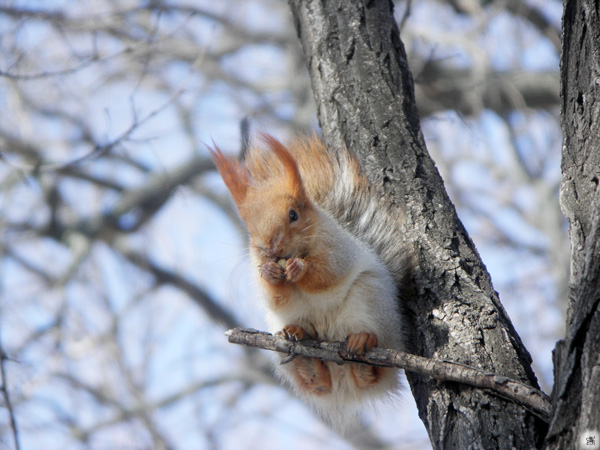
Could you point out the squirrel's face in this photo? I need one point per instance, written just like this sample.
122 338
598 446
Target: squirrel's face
280 226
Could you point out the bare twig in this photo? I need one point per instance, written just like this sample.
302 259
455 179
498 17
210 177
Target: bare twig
101 149
7 401
407 11
533 399
164 276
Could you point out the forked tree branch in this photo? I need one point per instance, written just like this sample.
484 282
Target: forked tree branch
533 399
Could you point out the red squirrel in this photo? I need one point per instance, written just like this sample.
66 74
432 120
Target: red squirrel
317 238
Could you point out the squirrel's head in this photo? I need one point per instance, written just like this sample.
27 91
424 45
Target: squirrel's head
268 191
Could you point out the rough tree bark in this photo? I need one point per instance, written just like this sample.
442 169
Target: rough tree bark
576 392
365 100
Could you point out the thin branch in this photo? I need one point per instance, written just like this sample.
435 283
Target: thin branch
407 11
165 276
533 399
7 401
101 149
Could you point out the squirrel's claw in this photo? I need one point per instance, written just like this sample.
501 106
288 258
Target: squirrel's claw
297 333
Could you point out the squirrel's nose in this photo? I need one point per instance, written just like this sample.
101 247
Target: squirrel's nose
274 249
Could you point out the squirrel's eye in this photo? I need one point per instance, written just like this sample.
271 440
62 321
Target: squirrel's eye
293 215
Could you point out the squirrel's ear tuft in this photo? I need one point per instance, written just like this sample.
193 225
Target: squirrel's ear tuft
290 166
234 174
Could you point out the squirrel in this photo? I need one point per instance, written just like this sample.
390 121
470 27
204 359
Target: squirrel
319 240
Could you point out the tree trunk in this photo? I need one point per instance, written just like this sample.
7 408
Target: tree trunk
365 100
576 393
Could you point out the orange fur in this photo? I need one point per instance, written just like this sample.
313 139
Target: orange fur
268 182
233 173
321 273
313 160
293 181
279 295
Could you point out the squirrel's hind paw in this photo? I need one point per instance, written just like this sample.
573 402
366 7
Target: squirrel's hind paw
298 333
359 343
312 375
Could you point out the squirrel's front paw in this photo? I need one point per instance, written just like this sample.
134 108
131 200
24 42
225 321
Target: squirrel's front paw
272 272
295 269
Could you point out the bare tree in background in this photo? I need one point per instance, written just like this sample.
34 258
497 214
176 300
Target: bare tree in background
113 290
